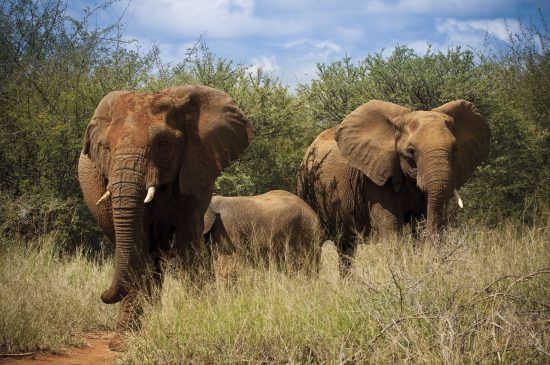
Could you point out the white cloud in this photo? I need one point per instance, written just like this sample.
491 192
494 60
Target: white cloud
266 63
328 46
498 28
218 18
353 34
434 7
288 37
302 56
473 32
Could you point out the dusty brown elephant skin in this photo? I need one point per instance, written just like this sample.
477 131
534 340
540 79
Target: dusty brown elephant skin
147 171
386 165
276 225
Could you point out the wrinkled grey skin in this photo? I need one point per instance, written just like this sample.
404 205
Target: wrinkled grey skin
276 226
386 165
173 143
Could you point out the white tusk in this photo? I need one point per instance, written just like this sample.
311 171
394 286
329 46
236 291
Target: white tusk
104 197
150 194
458 199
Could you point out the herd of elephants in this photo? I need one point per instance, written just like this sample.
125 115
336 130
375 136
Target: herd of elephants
149 162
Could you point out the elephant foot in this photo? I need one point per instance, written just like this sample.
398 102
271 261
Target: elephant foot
119 342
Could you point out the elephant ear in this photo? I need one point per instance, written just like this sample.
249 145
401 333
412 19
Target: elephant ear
95 145
472 137
216 133
366 137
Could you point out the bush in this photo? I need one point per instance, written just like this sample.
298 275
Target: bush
56 68
55 71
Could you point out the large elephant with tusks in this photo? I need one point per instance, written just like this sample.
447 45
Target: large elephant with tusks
386 165
147 171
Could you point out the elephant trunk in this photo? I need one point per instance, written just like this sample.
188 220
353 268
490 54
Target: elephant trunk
437 181
128 190
437 197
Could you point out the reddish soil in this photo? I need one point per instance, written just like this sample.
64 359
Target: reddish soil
96 352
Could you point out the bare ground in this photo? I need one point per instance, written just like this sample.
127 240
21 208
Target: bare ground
95 352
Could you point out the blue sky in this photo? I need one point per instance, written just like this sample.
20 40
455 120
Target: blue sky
288 37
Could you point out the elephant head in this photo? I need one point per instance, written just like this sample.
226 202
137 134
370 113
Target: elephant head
178 139
438 149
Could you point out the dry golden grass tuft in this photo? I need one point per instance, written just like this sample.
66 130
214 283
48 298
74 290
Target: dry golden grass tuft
49 300
480 296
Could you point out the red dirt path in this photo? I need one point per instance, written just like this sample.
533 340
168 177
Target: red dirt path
97 352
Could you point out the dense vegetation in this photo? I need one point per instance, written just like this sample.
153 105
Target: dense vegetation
56 68
481 296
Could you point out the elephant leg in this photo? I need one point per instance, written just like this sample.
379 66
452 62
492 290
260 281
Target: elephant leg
346 247
315 263
158 273
129 314
225 266
189 247
306 254
131 306
195 258
416 225
386 220
160 236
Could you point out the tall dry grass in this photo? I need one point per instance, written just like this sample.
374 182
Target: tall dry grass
480 296
49 300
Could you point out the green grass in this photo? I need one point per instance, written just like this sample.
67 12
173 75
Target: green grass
481 296
49 301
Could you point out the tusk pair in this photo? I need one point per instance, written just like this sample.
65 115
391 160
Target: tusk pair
150 194
148 198
103 197
459 200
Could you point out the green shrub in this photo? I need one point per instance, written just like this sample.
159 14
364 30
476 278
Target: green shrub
56 68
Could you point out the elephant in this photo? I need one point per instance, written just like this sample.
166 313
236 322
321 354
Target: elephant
385 165
147 170
276 225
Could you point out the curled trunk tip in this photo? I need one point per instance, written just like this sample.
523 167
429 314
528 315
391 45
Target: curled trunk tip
113 295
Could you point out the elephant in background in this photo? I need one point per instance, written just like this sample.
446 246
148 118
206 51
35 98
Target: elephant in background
276 226
147 171
386 165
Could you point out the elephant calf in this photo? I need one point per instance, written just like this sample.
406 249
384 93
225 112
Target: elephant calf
276 227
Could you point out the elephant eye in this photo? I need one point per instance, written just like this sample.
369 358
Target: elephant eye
410 151
162 143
